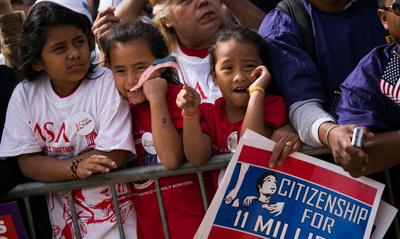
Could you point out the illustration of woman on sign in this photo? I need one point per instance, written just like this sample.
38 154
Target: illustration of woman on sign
266 186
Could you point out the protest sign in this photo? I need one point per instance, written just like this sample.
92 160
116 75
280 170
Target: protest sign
305 198
11 224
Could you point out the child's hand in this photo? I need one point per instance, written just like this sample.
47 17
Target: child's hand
155 88
188 100
95 164
261 77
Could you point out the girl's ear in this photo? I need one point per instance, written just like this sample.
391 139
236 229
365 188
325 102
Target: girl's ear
213 76
166 22
37 65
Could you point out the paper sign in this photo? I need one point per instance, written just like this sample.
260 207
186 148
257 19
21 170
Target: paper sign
305 198
11 224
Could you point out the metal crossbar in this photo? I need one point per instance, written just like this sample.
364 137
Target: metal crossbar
154 172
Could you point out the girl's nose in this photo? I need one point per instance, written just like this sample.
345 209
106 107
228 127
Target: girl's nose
131 80
239 76
73 53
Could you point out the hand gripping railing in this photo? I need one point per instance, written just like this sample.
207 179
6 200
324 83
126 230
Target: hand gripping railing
154 172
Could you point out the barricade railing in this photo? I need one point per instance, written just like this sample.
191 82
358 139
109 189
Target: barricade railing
154 172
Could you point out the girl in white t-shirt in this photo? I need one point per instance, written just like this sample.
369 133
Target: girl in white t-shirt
66 120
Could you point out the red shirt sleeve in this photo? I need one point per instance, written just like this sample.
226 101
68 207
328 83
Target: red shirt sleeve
275 113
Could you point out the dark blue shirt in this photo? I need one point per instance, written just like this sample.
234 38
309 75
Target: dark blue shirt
362 102
341 38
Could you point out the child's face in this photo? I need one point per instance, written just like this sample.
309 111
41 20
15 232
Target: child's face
234 64
128 62
65 58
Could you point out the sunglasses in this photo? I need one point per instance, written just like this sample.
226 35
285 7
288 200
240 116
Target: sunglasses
395 7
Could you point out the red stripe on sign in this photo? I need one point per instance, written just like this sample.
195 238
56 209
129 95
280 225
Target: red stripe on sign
221 232
312 173
7 228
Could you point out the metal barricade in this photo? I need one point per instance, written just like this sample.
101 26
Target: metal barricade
154 172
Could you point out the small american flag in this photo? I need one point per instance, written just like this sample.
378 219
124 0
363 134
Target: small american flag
168 61
389 84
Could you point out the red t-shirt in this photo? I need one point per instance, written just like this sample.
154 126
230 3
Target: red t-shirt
214 122
181 194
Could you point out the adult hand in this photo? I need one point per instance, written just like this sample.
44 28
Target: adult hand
5 7
103 24
287 142
350 158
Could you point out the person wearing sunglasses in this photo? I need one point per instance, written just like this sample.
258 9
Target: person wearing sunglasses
370 99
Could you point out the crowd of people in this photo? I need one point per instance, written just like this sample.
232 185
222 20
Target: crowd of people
70 108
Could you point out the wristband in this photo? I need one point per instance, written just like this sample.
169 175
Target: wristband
74 168
257 88
327 134
189 117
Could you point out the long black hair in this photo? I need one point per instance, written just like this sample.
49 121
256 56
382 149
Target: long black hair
243 35
43 17
138 30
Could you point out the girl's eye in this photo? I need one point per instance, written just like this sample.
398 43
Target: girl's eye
250 66
57 49
227 68
141 68
119 71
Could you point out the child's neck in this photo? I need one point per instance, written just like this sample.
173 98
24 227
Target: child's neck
235 113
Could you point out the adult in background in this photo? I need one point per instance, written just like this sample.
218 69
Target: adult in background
369 99
344 32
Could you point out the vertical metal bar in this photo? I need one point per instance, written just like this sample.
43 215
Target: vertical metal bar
162 209
392 201
73 214
29 216
117 212
203 190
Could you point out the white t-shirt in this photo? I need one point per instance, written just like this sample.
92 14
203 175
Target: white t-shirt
94 116
196 71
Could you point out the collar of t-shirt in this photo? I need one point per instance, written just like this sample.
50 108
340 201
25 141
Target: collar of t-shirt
201 53
65 96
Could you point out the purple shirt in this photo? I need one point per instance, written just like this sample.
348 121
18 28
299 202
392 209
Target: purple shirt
341 39
362 102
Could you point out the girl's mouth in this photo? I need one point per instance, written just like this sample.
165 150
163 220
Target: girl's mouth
241 89
135 92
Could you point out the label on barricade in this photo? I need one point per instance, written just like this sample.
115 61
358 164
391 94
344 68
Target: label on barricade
11 224
305 198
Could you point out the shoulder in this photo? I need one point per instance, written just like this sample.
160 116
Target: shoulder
370 67
102 77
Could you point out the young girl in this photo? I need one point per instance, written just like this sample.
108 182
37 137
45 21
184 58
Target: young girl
67 119
238 59
157 121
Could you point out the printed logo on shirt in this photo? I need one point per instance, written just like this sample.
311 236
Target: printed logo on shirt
47 132
90 138
147 142
198 88
389 39
82 123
